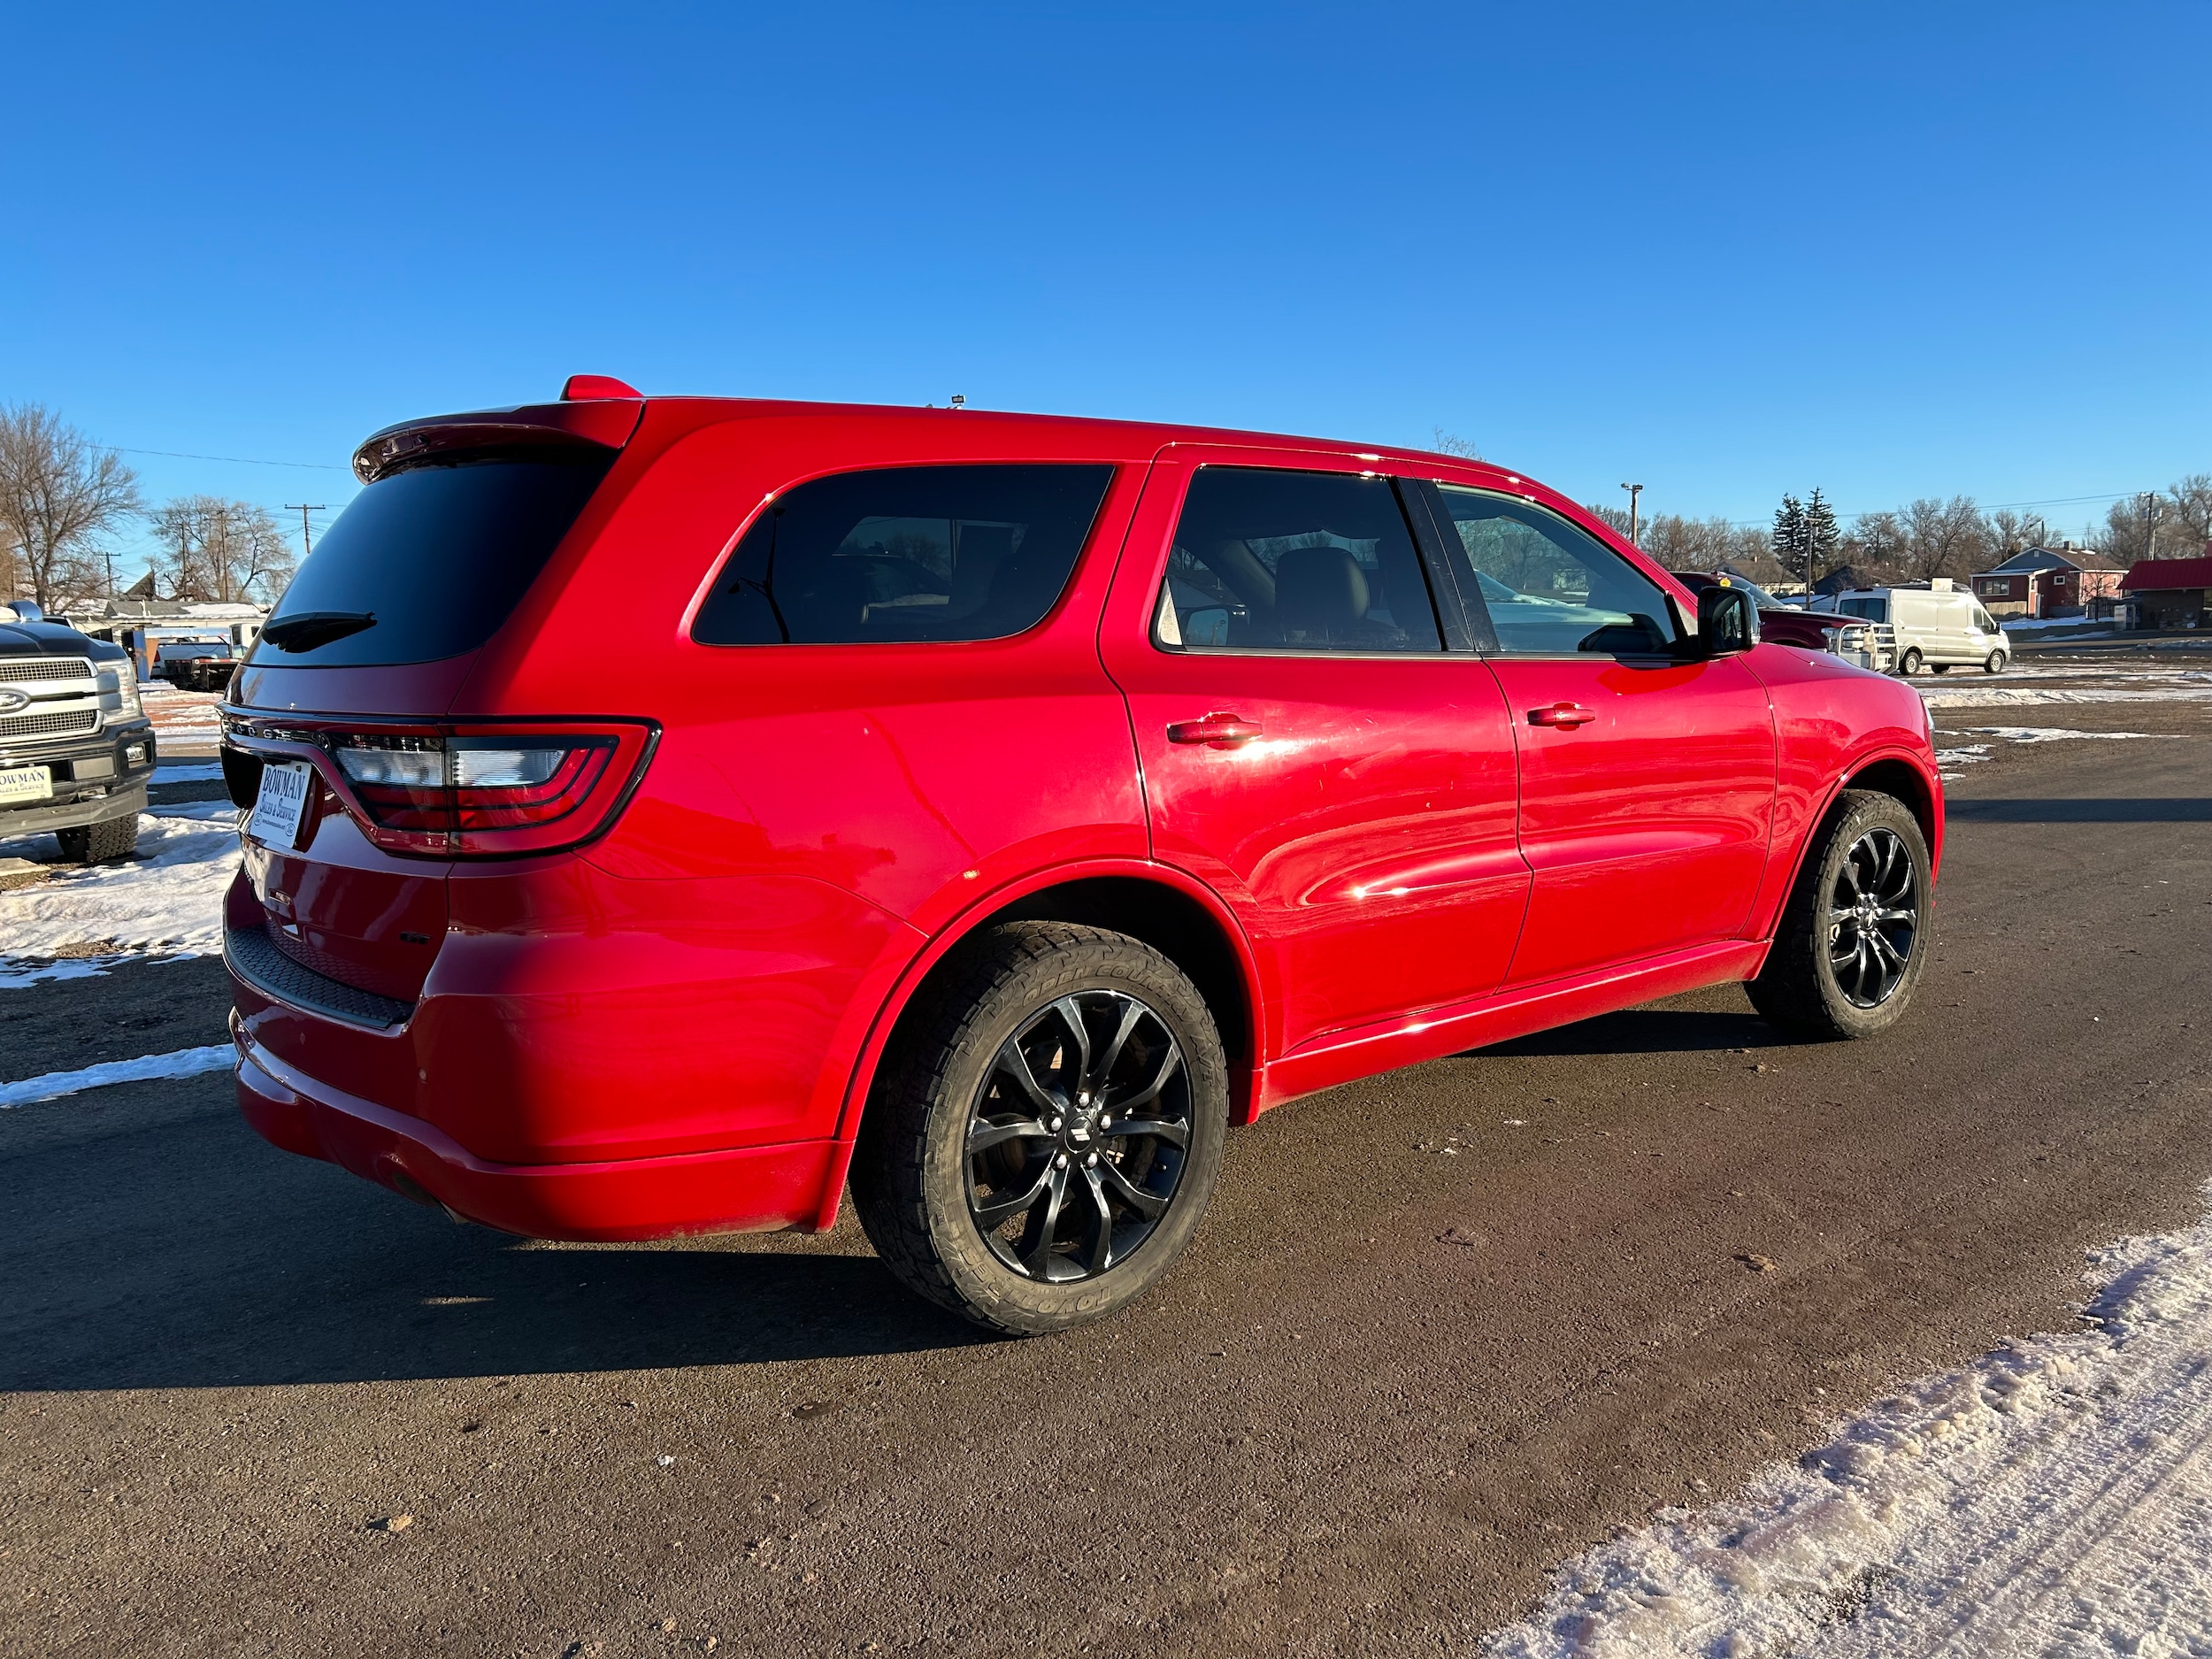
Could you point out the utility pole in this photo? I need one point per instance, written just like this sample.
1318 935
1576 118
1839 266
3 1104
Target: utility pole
2150 523
307 539
1634 523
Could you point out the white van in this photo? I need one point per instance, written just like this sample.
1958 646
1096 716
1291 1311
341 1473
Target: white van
1939 627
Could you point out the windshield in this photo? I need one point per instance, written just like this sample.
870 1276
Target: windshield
429 562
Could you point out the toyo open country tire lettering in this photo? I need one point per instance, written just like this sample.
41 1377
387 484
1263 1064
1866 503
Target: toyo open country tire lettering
1855 937
1043 1139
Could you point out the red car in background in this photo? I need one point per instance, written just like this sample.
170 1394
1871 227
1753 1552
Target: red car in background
664 810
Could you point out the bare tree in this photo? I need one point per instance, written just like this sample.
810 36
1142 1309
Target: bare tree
2189 502
59 492
1877 542
2008 531
227 552
2137 527
1615 519
1942 538
1452 443
1681 544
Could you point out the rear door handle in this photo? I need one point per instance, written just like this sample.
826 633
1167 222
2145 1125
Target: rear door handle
1219 730
1566 714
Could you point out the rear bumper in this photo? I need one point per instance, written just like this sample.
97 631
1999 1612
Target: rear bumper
746 1189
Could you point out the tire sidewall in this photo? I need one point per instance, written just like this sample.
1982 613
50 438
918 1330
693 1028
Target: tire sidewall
1911 662
999 1294
1885 812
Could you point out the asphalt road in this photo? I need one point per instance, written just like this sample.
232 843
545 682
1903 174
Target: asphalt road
1440 1330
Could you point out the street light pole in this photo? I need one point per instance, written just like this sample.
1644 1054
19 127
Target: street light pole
1634 523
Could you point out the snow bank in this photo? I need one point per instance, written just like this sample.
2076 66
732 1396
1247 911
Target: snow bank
2055 733
168 899
185 1062
1995 696
2054 1498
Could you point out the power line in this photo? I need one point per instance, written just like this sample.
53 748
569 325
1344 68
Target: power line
242 460
307 541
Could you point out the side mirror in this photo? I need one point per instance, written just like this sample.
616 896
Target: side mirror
1727 621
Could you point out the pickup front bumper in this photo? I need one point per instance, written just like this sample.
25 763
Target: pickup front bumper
95 778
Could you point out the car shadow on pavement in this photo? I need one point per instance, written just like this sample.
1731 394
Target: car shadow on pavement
2169 809
189 1254
1660 1030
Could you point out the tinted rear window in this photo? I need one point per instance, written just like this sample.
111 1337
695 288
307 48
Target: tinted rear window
438 555
906 553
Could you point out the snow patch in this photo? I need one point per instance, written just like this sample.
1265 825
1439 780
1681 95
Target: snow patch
185 1062
2054 1498
168 899
2054 734
1996 696
212 773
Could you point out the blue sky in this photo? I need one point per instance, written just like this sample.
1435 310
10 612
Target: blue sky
1723 251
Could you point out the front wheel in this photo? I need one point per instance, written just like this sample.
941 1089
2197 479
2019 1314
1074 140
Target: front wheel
1040 1146
1940 668
1993 663
100 843
1854 939
1908 664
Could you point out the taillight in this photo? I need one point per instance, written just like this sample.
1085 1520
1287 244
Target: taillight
477 792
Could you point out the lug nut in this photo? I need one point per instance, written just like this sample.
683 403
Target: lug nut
1060 1161
1106 1122
1091 1162
1056 1126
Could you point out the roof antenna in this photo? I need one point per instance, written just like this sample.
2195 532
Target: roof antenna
959 401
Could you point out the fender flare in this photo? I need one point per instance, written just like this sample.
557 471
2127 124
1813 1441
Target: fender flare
1850 770
960 925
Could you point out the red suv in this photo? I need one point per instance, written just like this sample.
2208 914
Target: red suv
665 810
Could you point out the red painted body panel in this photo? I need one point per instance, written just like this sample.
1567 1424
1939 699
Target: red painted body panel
674 1026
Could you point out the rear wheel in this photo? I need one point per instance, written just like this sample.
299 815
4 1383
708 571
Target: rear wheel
1993 663
100 843
1939 668
1908 664
1040 1148
1852 943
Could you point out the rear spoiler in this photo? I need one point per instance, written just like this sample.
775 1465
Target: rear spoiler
596 423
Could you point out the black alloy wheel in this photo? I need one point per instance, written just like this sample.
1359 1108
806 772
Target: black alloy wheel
1848 947
1873 917
1078 1136
1042 1137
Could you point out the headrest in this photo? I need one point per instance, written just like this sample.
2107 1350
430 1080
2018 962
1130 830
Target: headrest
1320 591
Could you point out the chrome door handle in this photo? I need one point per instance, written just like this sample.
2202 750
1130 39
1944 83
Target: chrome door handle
1566 714
1217 730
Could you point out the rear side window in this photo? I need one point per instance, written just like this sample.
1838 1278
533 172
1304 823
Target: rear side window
906 554
1276 560
428 563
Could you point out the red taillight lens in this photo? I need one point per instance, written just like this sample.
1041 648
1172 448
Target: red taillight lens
482 792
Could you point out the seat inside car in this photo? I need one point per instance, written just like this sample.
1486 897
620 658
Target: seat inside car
1321 594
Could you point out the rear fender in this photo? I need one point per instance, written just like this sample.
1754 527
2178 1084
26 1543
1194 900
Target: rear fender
1244 1082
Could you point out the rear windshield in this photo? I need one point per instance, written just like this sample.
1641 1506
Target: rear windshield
437 556
970 552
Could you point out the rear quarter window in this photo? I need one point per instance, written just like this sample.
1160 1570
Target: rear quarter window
438 557
911 553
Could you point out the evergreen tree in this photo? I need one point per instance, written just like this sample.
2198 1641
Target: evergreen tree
1822 535
1789 533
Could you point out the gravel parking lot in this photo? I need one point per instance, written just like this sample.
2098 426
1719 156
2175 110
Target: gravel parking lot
1442 1331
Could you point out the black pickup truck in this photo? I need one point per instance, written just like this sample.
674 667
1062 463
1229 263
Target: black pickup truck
76 750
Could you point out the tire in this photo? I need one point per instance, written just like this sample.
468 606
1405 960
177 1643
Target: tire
924 1192
100 843
1940 668
1993 663
1908 664
1805 988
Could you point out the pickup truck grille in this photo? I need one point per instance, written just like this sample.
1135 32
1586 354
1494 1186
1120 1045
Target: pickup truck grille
61 723
64 694
58 670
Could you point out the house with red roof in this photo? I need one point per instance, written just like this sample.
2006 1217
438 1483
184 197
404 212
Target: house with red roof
2171 593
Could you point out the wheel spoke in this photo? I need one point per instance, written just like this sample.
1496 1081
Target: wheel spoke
1866 965
1101 1256
985 1135
993 1215
1885 952
1906 917
1015 1064
1151 1091
1177 1134
1036 1245
1143 1202
1129 1015
1072 1015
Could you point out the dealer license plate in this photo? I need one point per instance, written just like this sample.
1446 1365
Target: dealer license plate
279 808
19 784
